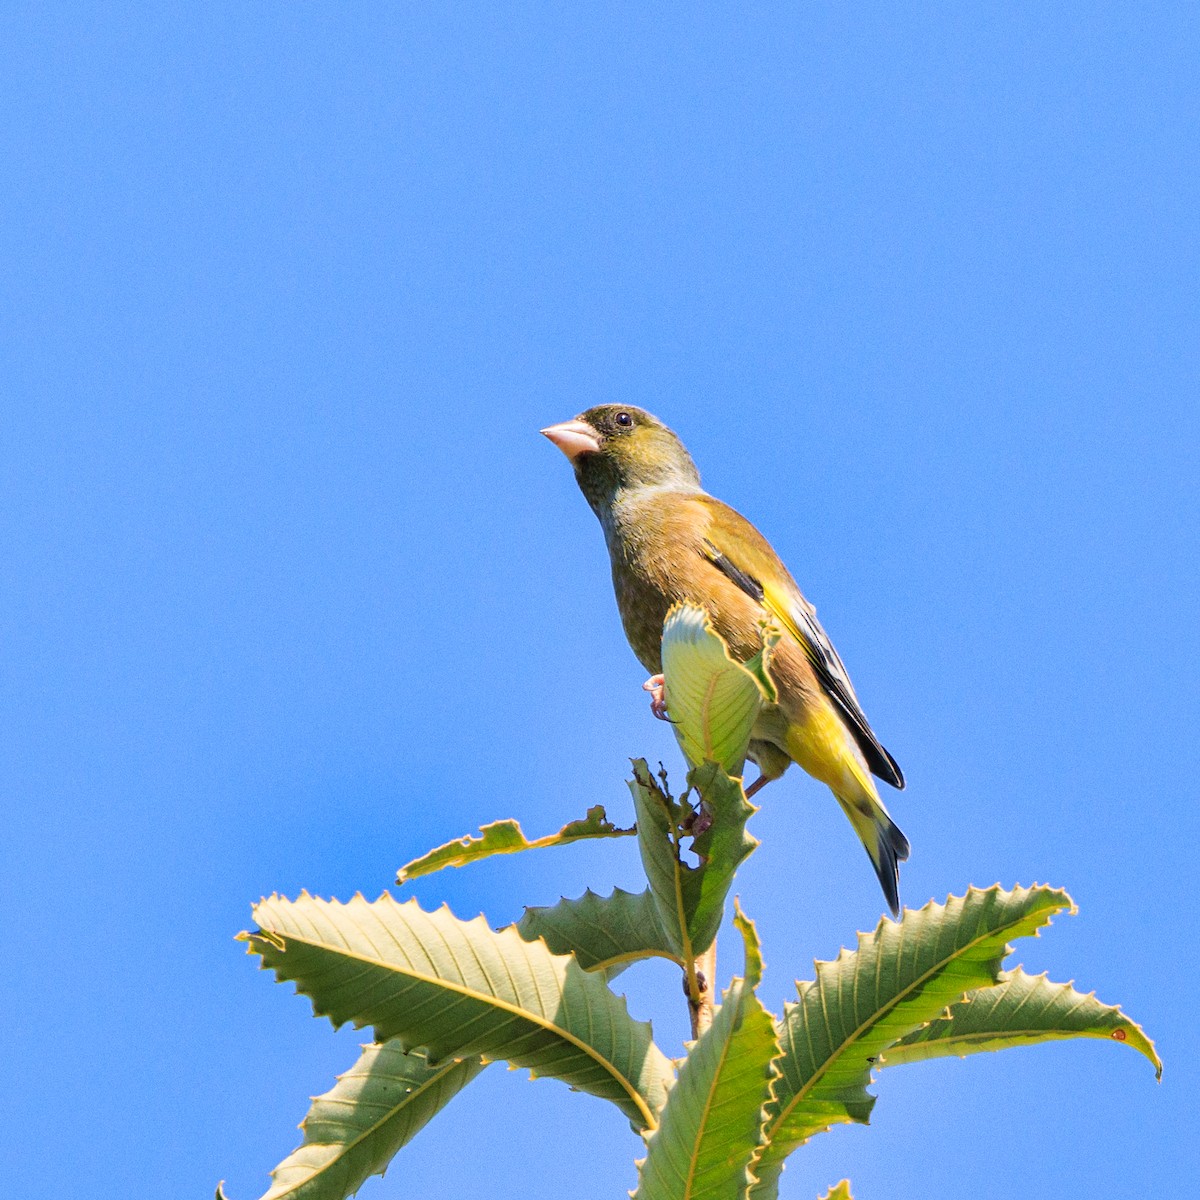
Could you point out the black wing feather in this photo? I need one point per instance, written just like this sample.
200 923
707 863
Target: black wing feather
829 668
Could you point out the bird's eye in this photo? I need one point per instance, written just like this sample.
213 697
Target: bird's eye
624 420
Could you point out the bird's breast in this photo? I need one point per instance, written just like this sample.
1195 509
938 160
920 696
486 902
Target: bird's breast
656 545
643 603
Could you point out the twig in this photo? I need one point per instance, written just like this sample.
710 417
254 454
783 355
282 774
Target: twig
700 1005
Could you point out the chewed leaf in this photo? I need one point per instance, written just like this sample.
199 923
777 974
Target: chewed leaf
712 698
722 848
1021 1010
506 837
760 665
839 1191
690 900
751 945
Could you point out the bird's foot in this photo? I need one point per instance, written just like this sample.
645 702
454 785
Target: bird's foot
757 786
656 685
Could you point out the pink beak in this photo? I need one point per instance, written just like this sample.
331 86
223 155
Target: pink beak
573 438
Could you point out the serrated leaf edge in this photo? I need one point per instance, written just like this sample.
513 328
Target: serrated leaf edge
409 1097
1034 1034
250 937
1050 910
592 826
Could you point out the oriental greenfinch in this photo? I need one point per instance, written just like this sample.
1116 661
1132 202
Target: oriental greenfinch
669 543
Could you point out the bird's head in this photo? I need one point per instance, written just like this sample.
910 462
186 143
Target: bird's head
614 447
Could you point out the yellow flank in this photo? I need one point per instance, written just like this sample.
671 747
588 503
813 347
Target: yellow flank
823 746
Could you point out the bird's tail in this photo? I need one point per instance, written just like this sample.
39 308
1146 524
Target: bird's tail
885 844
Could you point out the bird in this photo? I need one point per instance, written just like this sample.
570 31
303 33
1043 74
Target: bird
670 542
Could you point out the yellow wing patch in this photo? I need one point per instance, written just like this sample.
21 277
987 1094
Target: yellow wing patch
777 607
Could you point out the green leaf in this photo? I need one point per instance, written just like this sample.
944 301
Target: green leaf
722 848
900 977
691 899
759 665
454 989
605 933
751 947
1020 1010
713 699
659 836
353 1131
712 1123
839 1191
506 837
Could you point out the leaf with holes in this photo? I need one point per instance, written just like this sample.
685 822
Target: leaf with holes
722 847
454 989
691 899
506 837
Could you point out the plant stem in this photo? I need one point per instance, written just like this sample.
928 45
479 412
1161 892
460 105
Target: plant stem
700 1004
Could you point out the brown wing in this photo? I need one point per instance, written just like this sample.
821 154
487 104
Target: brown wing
738 550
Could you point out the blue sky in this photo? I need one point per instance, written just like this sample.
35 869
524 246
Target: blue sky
291 590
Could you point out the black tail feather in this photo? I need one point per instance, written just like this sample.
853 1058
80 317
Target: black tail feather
892 849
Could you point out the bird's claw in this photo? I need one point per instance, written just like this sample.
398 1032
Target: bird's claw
656 685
